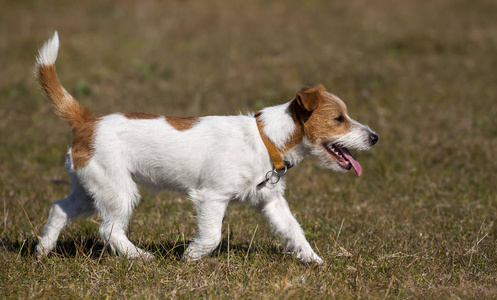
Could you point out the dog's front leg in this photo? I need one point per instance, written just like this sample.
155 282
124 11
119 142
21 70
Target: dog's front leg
210 219
285 225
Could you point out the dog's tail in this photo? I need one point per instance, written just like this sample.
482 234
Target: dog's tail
64 104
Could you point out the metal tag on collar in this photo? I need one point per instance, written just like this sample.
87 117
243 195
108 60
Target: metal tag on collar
273 176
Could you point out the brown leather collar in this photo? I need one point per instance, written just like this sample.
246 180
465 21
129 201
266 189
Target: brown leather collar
275 155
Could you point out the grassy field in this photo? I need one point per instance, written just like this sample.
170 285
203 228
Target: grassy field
420 223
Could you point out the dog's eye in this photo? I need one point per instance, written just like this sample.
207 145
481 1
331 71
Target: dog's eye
339 119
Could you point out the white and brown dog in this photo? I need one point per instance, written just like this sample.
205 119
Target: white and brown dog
214 160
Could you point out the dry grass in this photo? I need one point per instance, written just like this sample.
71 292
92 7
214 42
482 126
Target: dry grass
420 223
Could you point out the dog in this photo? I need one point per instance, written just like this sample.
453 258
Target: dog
212 159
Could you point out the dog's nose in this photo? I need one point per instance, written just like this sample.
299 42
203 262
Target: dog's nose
374 139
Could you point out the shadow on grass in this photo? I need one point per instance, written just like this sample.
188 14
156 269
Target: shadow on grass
94 248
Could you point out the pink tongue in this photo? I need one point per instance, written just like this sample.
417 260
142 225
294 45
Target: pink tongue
355 164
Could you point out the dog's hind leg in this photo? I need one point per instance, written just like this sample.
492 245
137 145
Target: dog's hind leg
63 211
280 218
115 199
210 209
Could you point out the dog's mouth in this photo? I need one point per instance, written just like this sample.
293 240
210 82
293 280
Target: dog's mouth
343 157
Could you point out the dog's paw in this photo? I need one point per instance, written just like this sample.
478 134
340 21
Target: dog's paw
147 256
318 260
137 253
41 251
196 252
142 254
193 254
308 258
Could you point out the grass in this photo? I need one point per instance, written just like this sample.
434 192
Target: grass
420 222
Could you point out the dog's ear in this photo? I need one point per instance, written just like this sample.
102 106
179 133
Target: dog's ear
308 97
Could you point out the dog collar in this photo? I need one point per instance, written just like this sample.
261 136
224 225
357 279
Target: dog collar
275 155
280 166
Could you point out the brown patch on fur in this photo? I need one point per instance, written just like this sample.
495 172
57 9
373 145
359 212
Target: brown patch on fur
319 124
82 147
308 97
141 116
181 123
298 134
296 138
82 121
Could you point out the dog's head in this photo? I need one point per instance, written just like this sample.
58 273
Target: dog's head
329 130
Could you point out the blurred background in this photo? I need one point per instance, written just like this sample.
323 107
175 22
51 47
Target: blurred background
422 74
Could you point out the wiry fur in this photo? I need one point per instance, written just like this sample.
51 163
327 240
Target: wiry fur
213 160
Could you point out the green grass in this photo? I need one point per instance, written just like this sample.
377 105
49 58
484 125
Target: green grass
420 223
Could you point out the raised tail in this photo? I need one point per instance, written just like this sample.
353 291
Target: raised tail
64 104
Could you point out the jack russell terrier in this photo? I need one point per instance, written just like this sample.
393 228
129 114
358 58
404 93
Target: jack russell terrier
213 159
